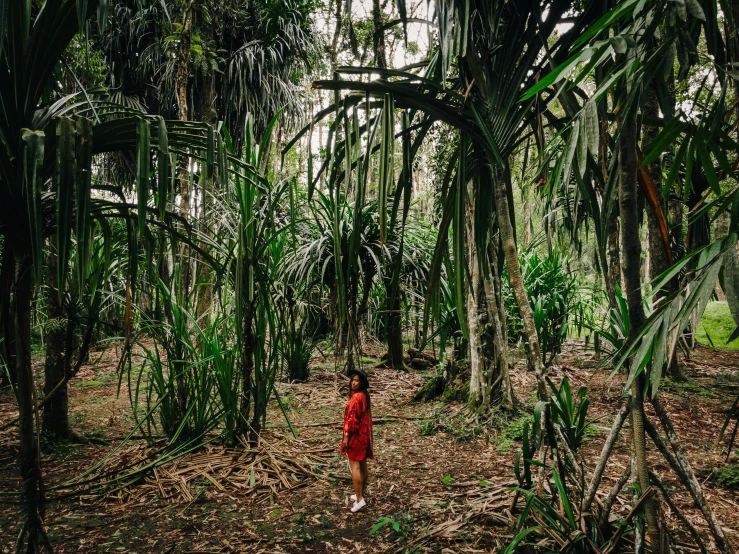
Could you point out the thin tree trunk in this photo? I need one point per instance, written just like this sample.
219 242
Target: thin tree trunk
379 44
475 320
605 454
614 263
181 83
32 490
55 415
207 220
659 261
500 187
630 263
395 332
7 280
692 482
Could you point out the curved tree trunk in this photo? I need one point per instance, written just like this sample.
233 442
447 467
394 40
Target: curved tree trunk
488 348
500 188
630 264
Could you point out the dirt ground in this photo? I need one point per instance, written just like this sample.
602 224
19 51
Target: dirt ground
439 482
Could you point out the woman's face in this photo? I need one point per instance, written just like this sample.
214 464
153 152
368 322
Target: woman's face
355 383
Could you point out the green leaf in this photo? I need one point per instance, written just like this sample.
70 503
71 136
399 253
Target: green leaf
163 165
592 127
707 166
33 159
620 46
570 152
81 13
143 159
582 148
3 22
64 185
103 9
83 186
696 10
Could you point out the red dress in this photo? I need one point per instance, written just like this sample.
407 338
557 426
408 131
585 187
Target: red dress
358 428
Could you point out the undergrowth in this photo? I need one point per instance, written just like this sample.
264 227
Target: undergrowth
728 476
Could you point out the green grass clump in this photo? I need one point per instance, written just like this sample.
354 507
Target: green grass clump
716 326
513 431
728 476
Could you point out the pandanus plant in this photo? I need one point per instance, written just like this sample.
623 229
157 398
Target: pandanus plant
49 180
488 40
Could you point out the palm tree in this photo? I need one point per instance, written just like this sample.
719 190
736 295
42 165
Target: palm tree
489 40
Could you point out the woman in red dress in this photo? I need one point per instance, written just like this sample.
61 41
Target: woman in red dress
357 439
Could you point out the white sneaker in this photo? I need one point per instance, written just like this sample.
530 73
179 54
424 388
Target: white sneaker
358 505
353 498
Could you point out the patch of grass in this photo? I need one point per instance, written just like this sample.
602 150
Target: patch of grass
685 389
591 432
728 476
512 431
90 384
64 451
716 326
727 377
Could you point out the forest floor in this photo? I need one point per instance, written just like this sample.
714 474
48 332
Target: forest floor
439 483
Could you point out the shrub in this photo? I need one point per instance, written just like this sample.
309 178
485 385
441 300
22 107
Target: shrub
554 297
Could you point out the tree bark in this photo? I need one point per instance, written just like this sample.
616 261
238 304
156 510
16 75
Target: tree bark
32 490
206 217
56 414
394 331
379 37
614 263
630 264
7 280
659 261
489 377
182 80
690 480
507 237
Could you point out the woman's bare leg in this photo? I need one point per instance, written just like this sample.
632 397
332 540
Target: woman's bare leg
364 473
357 479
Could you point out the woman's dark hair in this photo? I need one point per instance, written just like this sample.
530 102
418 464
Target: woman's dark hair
363 385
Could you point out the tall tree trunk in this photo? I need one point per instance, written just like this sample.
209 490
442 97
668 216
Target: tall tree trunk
181 83
659 261
247 367
379 36
614 262
630 264
7 280
489 377
501 185
394 331
32 490
56 415
526 217
206 217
